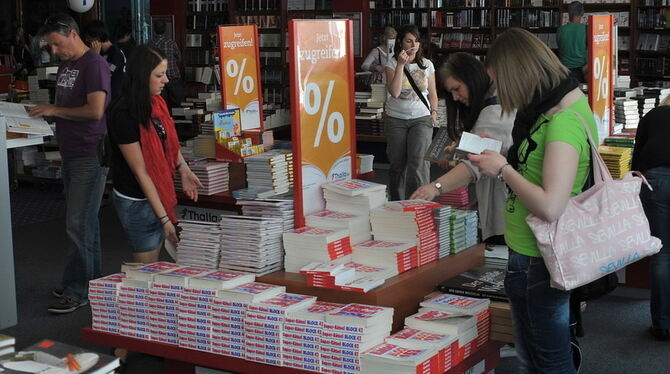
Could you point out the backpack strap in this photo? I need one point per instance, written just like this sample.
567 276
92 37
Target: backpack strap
416 88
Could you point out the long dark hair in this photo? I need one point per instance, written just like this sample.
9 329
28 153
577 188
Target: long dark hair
467 69
409 29
135 95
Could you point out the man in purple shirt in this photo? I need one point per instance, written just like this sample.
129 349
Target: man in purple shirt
82 95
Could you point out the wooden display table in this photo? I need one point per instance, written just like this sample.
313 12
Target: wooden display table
403 292
183 361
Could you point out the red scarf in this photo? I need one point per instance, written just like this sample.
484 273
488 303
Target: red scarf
161 164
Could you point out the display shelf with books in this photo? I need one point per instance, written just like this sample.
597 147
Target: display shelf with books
202 17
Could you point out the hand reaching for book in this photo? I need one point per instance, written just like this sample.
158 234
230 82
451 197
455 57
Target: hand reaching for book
190 183
170 232
425 192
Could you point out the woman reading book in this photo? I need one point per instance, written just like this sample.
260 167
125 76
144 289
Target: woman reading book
411 110
145 158
472 106
548 163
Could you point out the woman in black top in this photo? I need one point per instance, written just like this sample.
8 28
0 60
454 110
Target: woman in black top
652 158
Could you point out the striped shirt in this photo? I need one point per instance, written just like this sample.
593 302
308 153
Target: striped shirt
170 49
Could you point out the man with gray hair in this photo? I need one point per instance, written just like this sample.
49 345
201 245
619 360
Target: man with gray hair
571 39
82 95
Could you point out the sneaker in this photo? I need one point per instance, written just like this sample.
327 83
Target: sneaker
66 305
58 292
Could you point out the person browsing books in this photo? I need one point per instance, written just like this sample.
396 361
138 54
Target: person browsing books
548 163
651 157
378 56
82 95
472 106
410 114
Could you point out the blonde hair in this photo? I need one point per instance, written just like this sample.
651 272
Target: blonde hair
389 30
522 66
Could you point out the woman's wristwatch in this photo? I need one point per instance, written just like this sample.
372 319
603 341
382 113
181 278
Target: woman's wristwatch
438 185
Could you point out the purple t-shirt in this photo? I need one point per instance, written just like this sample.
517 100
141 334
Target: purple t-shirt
76 79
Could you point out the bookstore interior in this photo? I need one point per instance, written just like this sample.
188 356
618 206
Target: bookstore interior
291 255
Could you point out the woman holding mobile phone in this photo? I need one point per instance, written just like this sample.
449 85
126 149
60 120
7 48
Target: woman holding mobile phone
411 111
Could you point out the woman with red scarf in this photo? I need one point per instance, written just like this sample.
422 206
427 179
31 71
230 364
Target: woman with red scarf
146 157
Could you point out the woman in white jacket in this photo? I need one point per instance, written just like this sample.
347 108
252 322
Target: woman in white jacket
378 56
472 106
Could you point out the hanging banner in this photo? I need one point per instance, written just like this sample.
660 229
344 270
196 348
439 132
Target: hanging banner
239 68
600 74
322 109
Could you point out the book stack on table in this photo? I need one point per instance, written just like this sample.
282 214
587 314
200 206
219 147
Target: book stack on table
310 244
103 296
457 198
281 208
353 196
199 244
463 233
395 255
357 225
251 244
442 215
502 328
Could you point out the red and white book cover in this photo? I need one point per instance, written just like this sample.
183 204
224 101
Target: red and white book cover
314 233
361 315
426 359
440 322
457 304
282 303
179 276
313 315
419 339
109 281
412 205
147 272
360 284
373 272
321 268
221 279
250 292
331 217
353 187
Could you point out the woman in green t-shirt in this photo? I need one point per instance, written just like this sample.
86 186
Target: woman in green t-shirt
547 164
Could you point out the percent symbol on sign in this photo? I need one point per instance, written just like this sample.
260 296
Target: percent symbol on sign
313 104
233 69
599 65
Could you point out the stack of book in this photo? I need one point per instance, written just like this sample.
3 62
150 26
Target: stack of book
6 344
165 297
620 141
268 170
408 221
349 332
358 226
103 296
457 198
195 321
463 234
645 103
443 345
251 244
398 256
213 176
199 244
502 328
281 208
392 358
264 328
309 244
353 196
485 281
626 113
253 193
442 216
301 336
617 159
203 146
378 95
496 256
365 112
327 275
136 293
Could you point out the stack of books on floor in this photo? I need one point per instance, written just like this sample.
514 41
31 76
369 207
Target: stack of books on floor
310 244
103 297
268 170
264 328
353 196
410 351
6 345
463 234
199 244
620 141
442 216
395 255
457 198
617 159
277 207
358 226
251 244
502 328
229 311
349 332
408 221
626 113
301 336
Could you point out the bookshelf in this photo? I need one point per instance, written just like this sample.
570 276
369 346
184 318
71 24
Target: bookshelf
202 18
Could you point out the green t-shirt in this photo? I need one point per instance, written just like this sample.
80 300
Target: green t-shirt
563 127
571 39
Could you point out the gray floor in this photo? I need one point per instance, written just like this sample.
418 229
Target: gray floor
616 340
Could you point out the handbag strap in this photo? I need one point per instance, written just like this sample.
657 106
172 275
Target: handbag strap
416 89
600 171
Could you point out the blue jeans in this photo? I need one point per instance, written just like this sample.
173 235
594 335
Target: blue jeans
541 317
407 141
84 184
656 205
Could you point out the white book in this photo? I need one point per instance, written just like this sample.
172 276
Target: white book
420 339
457 304
353 187
440 322
361 315
251 292
19 121
475 144
221 279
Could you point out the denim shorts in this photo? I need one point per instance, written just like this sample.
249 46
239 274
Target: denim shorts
143 229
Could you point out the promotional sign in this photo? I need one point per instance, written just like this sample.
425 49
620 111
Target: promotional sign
322 108
238 63
600 73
